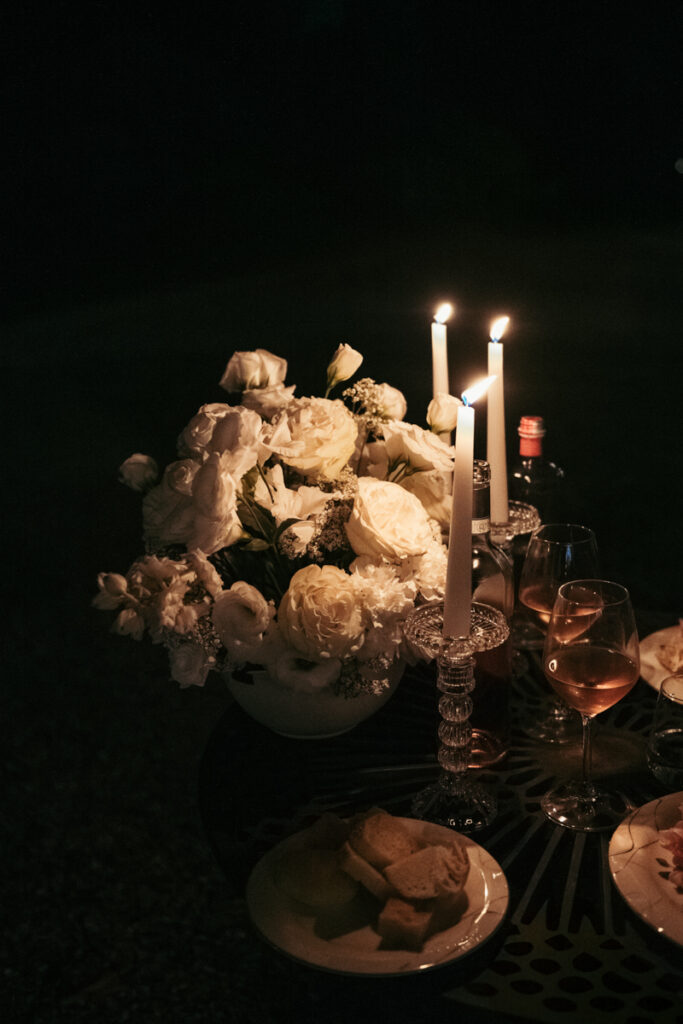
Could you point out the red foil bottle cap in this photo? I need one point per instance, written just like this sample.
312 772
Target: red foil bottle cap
531 426
531 431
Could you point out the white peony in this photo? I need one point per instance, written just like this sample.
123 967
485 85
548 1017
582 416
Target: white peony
322 437
257 369
139 472
387 521
320 615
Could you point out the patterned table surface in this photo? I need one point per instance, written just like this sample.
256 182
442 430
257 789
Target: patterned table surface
570 948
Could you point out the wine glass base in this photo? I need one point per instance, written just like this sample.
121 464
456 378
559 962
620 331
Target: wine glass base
463 805
585 808
557 725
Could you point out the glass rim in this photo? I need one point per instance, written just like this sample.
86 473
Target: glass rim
671 687
611 592
576 534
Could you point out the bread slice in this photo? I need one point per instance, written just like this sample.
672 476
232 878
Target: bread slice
368 876
404 925
431 872
314 877
381 839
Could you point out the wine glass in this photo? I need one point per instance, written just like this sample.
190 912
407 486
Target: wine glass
591 658
557 552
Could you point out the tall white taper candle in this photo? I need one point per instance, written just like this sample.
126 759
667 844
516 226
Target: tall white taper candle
495 430
440 350
457 610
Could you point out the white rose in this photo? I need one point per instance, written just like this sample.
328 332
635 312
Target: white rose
229 430
138 472
195 437
167 510
442 413
241 615
343 365
391 401
237 436
190 664
268 401
387 521
320 614
409 446
433 488
215 523
322 437
258 369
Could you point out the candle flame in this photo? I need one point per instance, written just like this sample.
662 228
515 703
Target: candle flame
477 390
498 328
443 313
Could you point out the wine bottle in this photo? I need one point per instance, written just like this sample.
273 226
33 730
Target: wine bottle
492 584
534 479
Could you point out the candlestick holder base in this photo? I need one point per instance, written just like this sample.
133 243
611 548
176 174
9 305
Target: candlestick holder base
455 799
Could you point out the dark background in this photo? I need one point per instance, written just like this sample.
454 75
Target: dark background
290 176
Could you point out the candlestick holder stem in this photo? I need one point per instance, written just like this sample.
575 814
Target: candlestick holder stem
455 799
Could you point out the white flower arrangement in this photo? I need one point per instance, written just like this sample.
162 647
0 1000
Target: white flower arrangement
292 535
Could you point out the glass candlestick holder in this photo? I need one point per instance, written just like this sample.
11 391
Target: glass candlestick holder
513 536
455 799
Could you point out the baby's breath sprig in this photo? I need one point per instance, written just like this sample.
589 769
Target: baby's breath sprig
364 398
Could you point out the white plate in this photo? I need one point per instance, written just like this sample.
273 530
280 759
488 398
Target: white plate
295 931
640 866
650 668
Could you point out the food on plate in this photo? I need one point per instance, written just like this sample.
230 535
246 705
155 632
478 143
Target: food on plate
670 655
414 878
313 876
381 839
672 840
431 872
360 869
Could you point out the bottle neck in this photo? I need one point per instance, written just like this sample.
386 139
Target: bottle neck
481 502
530 447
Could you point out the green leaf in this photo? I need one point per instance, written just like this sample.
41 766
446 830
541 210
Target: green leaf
256 544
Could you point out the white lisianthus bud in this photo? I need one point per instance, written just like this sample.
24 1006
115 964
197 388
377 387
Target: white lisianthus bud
139 472
442 413
343 365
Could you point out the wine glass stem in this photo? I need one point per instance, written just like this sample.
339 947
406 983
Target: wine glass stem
587 751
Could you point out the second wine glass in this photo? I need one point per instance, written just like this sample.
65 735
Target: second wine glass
557 552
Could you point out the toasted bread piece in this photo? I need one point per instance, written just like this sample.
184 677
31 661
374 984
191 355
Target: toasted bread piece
314 877
381 839
431 872
368 876
405 925
670 656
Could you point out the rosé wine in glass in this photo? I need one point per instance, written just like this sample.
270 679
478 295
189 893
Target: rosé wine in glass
591 658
